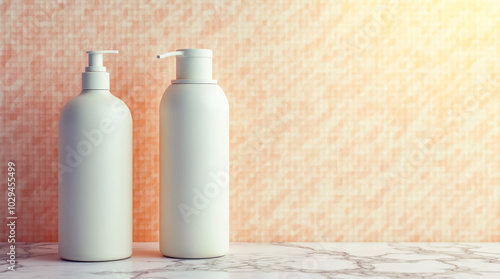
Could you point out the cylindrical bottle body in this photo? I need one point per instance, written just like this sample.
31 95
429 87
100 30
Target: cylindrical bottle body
95 178
194 171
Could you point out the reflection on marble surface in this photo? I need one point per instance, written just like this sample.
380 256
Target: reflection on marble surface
274 260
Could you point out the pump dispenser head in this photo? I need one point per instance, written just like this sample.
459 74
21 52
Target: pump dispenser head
95 75
192 65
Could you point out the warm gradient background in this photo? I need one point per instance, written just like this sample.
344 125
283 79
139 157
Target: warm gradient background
350 120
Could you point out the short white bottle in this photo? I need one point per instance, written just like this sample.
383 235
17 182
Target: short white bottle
95 171
194 160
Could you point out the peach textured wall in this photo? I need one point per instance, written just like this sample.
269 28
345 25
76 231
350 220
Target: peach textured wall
350 120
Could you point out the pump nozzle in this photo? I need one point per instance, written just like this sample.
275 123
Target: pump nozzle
95 75
193 65
95 60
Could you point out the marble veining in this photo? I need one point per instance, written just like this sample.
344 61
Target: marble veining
273 260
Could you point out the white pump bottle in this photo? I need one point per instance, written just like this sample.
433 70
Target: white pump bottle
194 160
95 171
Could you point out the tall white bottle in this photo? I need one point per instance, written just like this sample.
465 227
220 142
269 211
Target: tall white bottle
95 171
194 164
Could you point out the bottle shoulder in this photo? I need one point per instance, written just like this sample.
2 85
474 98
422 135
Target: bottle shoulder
95 102
194 93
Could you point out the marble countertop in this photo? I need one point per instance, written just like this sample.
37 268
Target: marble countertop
273 260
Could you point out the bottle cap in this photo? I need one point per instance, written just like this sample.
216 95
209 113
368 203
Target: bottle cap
192 65
95 75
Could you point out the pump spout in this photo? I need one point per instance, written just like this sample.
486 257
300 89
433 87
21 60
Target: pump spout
168 54
96 60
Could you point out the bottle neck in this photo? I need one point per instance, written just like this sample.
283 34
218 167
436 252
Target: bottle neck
194 81
95 91
95 81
